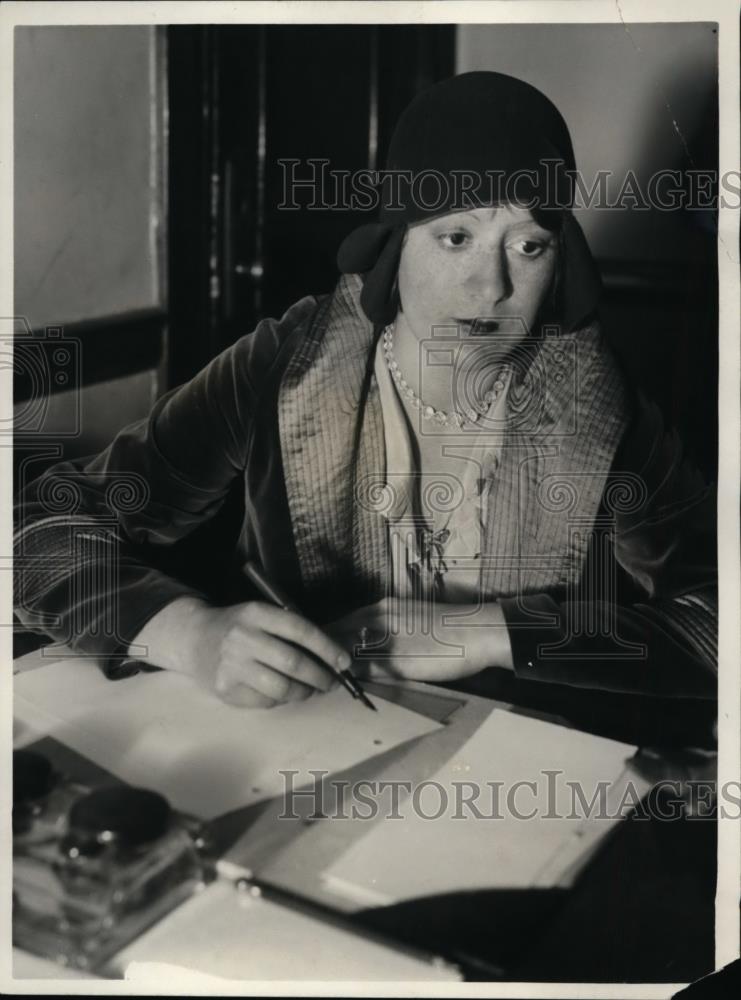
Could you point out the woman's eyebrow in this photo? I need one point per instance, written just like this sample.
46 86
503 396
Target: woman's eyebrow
513 225
529 224
492 209
466 215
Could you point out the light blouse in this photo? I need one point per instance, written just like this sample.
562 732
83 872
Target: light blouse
443 560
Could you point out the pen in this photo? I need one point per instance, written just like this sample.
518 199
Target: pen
271 593
248 884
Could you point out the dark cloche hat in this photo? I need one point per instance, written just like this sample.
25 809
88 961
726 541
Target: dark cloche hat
475 139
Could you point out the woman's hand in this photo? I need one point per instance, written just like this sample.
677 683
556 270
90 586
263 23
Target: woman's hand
253 655
411 639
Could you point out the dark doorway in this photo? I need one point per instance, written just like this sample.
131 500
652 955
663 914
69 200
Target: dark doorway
241 100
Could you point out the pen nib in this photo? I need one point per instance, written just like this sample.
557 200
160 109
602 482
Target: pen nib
366 701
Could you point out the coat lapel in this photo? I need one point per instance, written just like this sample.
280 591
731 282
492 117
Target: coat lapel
340 538
567 412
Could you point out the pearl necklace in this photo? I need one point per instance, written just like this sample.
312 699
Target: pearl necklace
455 419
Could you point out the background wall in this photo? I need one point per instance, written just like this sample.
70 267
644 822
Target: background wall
640 97
87 196
89 213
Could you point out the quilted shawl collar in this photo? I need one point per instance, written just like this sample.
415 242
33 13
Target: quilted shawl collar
337 540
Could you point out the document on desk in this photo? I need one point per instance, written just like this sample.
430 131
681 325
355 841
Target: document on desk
492 818
161 731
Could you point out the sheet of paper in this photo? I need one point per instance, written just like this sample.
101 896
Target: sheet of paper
464 849
161 731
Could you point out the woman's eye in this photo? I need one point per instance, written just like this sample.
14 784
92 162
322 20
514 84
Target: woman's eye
454 240
529 248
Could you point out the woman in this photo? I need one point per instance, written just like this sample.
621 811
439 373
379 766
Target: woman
440 462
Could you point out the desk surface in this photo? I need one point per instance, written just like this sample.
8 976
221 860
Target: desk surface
641 911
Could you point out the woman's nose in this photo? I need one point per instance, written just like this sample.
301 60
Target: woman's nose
489 281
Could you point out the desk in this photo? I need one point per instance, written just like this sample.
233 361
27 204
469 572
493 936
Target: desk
642 910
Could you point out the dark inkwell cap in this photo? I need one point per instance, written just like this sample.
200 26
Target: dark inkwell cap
133 816
33 776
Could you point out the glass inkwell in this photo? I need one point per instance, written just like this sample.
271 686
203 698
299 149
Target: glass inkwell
93 869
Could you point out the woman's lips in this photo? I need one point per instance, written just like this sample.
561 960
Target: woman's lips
479 327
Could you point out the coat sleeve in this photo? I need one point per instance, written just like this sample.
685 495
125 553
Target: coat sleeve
89 533
657 633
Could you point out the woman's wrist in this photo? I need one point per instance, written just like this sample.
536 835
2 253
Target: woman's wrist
173 637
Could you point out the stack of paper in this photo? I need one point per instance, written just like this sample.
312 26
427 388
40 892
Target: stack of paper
492 818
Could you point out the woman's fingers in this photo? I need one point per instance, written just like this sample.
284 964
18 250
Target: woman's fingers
290 663
252 684
259 668
242 696
256 655
268 656
294 629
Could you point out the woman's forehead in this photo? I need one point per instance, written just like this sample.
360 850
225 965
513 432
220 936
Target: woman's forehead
508 213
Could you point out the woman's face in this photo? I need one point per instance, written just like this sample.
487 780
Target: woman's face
485 271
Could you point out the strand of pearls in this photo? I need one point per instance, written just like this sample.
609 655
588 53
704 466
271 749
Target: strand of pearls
441 417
